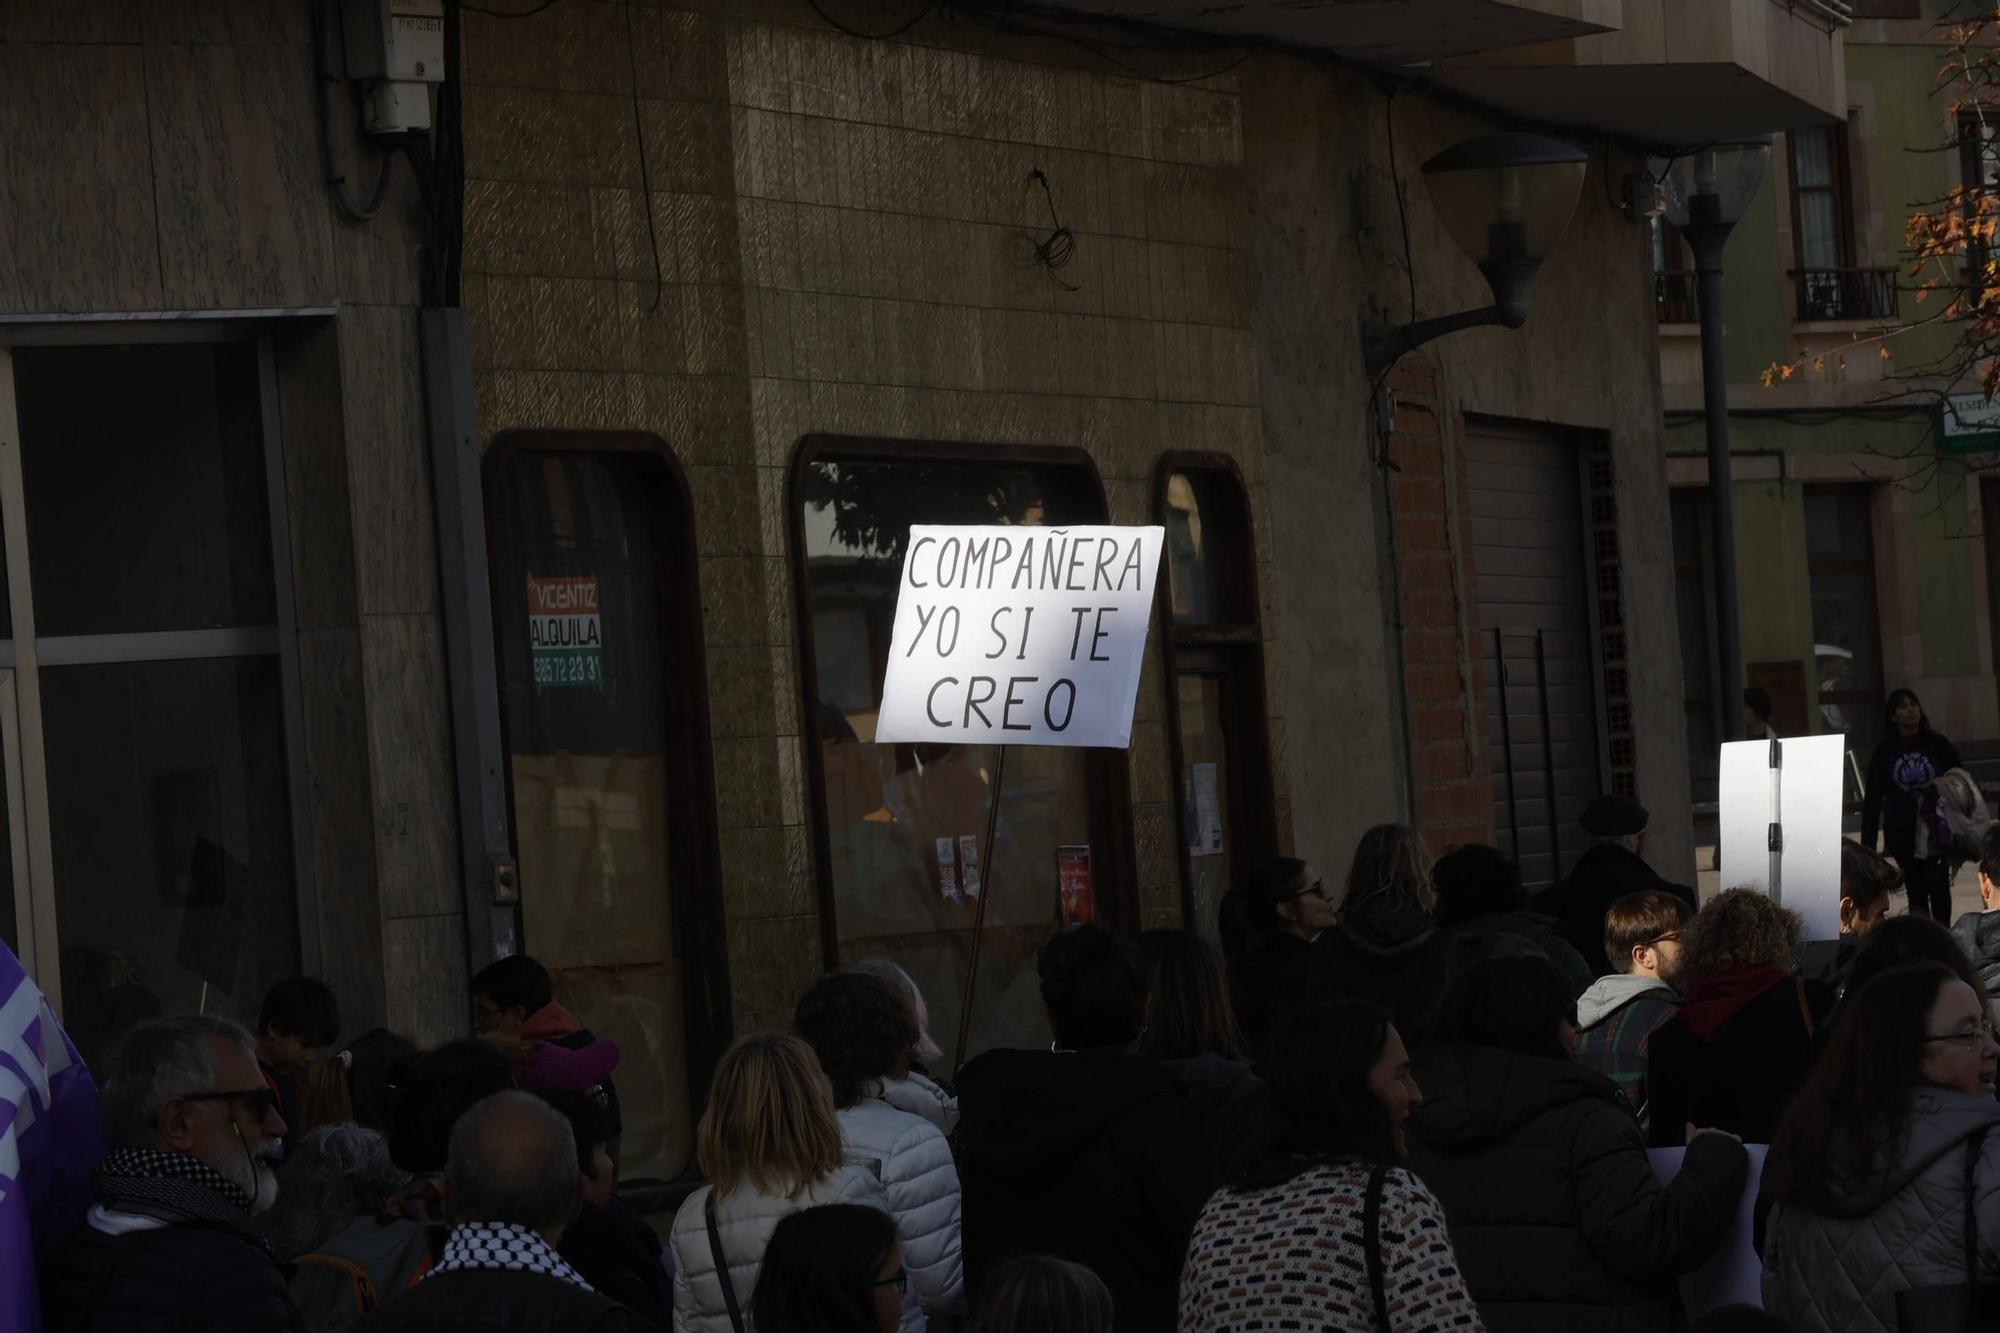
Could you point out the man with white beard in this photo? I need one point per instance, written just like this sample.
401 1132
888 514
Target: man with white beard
172 1241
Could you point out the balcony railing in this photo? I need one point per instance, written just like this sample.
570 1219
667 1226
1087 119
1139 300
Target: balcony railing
1846 293
1674 290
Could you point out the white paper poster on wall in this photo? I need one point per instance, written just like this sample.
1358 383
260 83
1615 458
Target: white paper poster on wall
1019 636
1802 795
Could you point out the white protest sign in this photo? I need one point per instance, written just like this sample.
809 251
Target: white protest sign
1803 796
1732 1274
1019 636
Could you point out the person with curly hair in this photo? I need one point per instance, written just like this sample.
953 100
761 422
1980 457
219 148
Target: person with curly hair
862 1029
1744 1037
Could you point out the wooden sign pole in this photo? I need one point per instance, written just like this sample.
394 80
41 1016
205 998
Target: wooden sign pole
979 909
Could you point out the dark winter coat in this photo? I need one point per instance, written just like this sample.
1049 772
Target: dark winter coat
1373 950
496 1301
1601 876
1555 1214
614 1250
1283 974
1424 982
1897 771
1234 1106
1739 1077
198 1277
1094 1158
1978 933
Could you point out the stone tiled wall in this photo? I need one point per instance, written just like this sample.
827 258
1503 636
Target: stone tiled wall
166 156
844 229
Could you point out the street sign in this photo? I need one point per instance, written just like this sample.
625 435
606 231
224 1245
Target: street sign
1968 423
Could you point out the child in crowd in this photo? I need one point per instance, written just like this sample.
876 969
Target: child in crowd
300 1018
515 1008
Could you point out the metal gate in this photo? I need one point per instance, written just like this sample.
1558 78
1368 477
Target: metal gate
1537 643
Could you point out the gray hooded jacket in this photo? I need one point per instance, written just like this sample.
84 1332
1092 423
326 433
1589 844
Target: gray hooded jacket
1837 1269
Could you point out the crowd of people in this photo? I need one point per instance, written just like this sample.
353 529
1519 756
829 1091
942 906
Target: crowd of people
1425 1104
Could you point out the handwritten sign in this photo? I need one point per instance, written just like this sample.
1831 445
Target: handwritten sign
1019 636
565 634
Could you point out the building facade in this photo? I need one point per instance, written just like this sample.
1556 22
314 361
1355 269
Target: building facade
1865 555
521 578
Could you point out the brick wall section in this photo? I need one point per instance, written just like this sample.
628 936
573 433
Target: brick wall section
1441 672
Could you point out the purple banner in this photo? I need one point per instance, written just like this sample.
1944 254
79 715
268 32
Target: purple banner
50 1140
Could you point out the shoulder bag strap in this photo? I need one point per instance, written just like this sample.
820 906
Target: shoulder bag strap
1973 1146
722 1265
1371 1241
366 1298
1805 1010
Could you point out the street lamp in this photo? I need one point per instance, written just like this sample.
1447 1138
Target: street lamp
1506 199
1707 191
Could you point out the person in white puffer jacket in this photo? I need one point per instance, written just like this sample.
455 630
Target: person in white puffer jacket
863 1032
916 1091
770 1146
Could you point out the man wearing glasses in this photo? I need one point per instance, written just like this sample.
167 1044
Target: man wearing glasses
171 1241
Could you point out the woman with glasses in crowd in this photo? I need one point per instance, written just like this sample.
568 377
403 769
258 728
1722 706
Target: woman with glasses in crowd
1884 1157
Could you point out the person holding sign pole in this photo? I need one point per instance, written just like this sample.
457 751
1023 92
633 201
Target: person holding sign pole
1902 798
1084 1151
1884 1179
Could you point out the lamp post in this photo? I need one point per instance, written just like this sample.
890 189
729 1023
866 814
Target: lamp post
1707 191
1506 199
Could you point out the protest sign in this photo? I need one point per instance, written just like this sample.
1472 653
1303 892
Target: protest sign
1019 636
1732 1274
1780 809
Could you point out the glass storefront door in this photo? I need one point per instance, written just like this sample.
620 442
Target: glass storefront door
150 826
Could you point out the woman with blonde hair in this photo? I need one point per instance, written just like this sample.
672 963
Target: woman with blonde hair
769 1143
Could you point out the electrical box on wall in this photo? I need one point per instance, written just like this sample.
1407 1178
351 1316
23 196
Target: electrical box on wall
397 48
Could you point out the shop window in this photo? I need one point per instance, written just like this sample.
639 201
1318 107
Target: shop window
899 827
1219 746
597 615
1847 634
146 683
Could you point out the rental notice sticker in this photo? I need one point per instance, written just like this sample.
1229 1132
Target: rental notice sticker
565 635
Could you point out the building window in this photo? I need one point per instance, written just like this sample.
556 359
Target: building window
146 680
1829 285
1888 9
1215 666
899 827
1847 635
596 610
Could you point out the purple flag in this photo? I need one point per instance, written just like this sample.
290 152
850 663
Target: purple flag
50 1140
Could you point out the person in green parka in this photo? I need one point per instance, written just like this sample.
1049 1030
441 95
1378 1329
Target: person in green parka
1554 1211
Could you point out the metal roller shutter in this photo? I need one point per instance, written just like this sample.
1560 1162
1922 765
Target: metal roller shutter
1536 643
